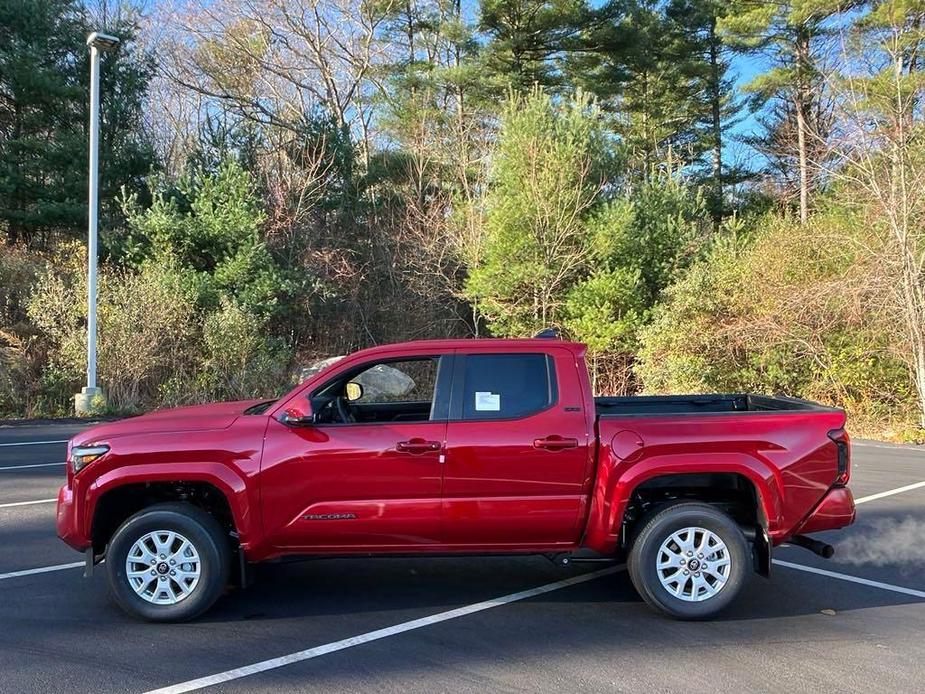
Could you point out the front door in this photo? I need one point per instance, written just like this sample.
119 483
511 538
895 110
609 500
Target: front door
518 466
367 473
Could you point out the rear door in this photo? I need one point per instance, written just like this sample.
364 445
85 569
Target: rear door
517 464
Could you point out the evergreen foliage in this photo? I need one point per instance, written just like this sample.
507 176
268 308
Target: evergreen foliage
44 83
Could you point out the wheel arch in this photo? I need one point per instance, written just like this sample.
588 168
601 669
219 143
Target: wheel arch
699 477
733 492
116 497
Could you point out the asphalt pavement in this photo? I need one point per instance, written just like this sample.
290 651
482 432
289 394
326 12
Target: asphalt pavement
853 623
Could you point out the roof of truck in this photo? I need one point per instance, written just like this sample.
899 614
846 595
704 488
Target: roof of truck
476 343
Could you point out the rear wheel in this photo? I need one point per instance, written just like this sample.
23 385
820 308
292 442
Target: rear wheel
168 563
689 561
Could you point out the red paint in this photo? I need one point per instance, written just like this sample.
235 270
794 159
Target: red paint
554 480
836 510
787 456
316 471
502 491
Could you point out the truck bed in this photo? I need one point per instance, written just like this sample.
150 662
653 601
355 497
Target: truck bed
790 450
700 404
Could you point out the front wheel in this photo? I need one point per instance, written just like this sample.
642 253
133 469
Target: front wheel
168 563
689 561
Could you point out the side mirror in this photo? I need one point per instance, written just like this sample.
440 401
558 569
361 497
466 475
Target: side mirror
294 418
353 391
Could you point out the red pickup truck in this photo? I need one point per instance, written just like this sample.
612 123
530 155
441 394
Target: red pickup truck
456 446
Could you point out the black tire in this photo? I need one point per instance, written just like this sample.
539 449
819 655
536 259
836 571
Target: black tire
202 531
643 558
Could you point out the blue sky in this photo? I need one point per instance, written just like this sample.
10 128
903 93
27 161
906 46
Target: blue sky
744 69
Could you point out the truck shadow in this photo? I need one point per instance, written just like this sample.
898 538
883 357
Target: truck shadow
425 586
361 585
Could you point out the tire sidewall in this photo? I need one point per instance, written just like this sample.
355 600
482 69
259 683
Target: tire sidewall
201 530
643 558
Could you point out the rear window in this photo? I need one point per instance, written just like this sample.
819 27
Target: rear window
505 386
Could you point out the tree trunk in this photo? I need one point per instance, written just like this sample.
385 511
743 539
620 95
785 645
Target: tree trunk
647 158
15 228
914 309
801 103
409 29
715 97
918 353
804 173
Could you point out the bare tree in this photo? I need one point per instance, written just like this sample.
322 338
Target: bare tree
882 162
277 60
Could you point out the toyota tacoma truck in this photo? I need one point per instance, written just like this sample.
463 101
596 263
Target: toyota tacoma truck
449 447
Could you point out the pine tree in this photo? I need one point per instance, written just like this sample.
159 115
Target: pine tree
44 102
787 33
639 66
714 106
528 40
545 186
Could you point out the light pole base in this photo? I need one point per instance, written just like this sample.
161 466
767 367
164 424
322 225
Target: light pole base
89 401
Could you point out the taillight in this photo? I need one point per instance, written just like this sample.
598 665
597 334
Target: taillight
843 443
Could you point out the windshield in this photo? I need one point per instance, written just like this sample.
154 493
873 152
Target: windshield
259 408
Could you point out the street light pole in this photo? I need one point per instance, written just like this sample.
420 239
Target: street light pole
83 401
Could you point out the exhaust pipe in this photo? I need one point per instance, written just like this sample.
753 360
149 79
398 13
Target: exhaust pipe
823 549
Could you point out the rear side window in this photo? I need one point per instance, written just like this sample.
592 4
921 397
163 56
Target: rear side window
505 386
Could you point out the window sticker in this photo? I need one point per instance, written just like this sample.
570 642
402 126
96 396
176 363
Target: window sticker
486 401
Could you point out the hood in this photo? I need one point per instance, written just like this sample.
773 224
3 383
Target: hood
218 415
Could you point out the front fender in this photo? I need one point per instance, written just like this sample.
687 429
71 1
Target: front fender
227 481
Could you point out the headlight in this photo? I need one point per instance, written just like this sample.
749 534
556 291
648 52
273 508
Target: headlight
81 456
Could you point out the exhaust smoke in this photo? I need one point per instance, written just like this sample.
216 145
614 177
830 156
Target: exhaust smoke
885 541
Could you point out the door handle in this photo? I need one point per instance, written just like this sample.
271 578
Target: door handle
555 443
417 446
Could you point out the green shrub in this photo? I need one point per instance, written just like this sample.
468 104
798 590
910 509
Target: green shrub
545 186
558 249
146 327
240 360
605 310
208 225
789 312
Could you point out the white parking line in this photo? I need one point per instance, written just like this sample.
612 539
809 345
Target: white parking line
352 641
28 503
42 570
23 467
851 579
889 446
31 443
889 492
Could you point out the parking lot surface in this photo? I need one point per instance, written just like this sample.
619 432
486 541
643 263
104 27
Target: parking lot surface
853 623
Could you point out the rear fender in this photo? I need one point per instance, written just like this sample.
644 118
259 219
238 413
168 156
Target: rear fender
618 479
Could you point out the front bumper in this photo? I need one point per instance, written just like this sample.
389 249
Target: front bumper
68 522
836 510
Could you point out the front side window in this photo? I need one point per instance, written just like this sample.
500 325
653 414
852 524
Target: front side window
386 391
397 381
505 386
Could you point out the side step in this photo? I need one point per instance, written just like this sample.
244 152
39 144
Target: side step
579 557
